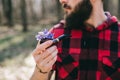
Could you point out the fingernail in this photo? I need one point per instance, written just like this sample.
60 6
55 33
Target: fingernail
50 41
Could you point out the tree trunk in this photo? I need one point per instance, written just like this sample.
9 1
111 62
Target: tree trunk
59 10
119 9
43 9
7 10
33 16
105 4
0 13
23 15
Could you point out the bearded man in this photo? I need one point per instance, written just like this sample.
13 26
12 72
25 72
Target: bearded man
91 53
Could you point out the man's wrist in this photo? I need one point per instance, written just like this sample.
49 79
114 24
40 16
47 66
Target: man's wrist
42 72
39 76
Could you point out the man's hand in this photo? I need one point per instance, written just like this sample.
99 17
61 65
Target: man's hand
45 56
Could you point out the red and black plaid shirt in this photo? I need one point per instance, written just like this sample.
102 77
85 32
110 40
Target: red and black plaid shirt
91 54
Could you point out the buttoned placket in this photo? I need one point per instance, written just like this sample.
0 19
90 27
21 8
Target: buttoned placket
85 44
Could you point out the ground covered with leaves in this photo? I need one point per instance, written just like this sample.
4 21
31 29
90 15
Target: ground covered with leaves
16 61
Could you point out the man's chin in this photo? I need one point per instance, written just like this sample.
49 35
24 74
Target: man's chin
67 12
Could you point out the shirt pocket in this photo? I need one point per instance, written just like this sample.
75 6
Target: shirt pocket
110 68
66 65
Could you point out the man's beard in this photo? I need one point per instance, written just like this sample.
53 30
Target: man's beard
76 19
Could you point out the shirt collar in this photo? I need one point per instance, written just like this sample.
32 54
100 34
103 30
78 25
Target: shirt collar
106 24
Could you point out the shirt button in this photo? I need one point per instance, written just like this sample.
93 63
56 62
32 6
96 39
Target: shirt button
84 43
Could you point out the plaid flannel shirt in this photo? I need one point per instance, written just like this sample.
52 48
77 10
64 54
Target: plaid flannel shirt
91 54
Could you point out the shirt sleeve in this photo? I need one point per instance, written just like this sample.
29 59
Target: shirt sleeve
57 30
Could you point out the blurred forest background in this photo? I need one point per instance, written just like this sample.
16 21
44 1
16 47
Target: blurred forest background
20 20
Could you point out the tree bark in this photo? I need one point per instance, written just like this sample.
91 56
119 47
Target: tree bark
106 4
33 16
7 10
59 10
119 9
24 16
43 9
